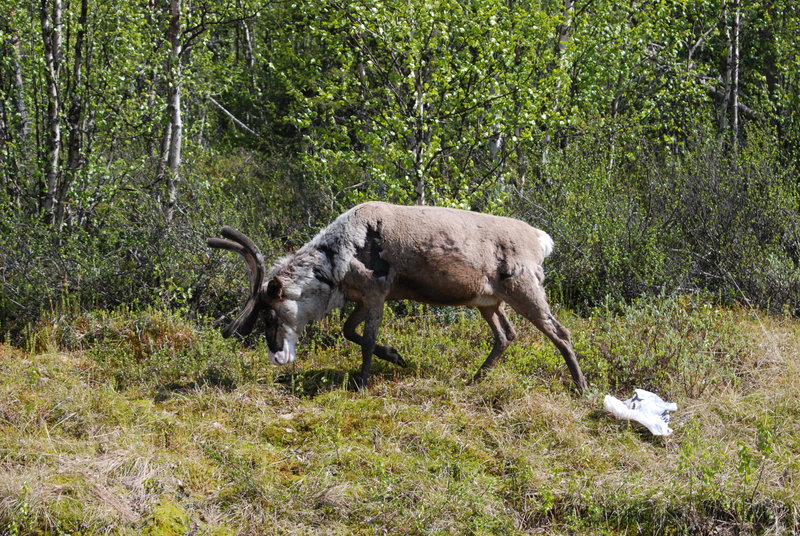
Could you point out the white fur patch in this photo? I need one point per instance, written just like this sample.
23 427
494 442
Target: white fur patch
287 354
547 244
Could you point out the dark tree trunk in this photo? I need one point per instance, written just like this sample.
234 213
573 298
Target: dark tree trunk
75 117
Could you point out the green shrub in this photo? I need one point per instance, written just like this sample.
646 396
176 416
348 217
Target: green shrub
680 347
630 220
125 253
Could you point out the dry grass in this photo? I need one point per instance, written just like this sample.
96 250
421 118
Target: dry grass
179 432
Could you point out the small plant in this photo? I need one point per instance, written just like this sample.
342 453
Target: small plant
22 520
676 346
751 468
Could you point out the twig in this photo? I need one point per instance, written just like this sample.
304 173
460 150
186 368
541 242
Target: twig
233 118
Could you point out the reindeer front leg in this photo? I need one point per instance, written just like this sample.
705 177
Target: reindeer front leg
370 291
372 324
357 317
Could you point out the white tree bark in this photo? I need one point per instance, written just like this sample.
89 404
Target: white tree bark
564 33
248 53
22 109
174 107
51 36
419 137
735 71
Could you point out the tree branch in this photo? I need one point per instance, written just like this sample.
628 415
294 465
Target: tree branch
743 108
233 118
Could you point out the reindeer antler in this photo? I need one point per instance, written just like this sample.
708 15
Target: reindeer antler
240 243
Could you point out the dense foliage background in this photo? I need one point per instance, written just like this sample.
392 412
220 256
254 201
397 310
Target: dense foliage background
655 140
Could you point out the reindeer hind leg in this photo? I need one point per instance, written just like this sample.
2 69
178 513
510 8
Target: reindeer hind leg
530 301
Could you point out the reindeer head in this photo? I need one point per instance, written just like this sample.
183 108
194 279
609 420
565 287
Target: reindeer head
280 316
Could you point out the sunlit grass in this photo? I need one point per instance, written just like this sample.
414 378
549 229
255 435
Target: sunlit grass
145 423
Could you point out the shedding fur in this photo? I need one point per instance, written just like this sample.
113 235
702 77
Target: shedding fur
377 252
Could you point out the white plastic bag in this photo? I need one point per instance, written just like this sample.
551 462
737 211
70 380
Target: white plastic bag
645 408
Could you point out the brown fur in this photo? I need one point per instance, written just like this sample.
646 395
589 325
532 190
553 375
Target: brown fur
377 252
448 256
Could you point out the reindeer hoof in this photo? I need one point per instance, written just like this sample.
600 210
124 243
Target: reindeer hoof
393 356
360 382
387 353
478 376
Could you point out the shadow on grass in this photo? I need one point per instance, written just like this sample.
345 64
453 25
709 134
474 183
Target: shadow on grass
310 383
211 377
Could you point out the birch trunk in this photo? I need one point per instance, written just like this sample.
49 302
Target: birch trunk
18 164
6 153
564 33
19 97
51 35
729 116
522 154
419 141
248 53
163 154
74 117
174 108
735 73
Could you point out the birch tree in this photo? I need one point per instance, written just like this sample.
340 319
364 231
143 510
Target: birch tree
75 114
562 41
174 113
15 120
51 12
733 70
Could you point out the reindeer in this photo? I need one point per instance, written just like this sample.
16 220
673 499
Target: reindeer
377 252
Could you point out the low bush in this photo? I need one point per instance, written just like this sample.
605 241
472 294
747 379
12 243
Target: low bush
629 220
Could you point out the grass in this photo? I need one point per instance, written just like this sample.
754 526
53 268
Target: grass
145 423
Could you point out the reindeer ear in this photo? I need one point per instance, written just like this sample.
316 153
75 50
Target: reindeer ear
275 289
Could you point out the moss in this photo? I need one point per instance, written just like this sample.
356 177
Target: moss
420 452
167 519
